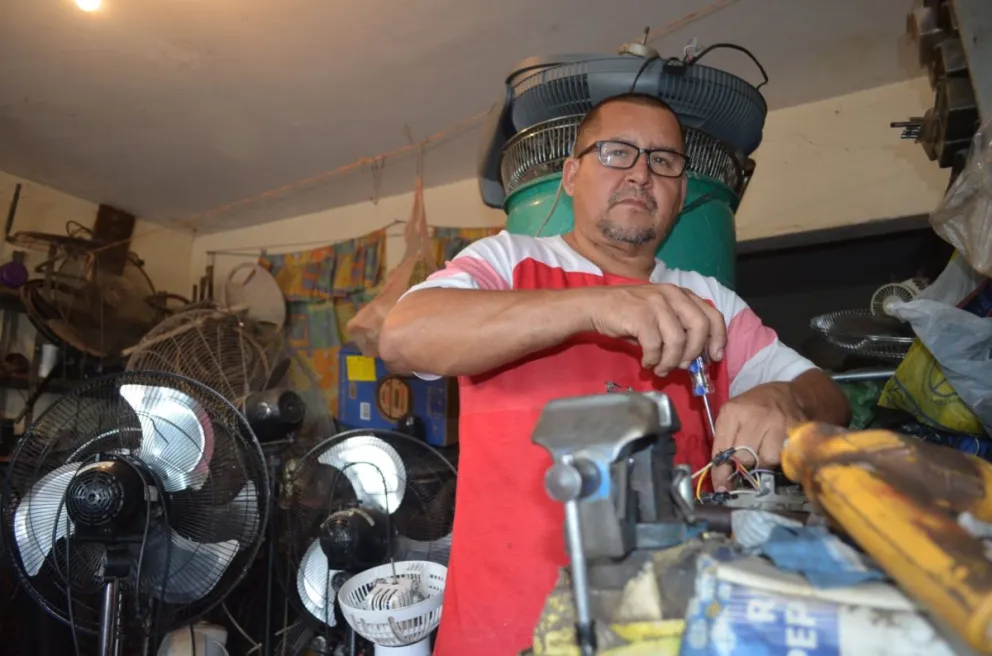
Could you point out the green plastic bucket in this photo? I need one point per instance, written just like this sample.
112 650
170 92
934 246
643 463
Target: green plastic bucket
702 240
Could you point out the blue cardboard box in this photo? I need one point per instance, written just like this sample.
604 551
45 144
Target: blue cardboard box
369 396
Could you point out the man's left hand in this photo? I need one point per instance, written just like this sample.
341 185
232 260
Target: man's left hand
760 419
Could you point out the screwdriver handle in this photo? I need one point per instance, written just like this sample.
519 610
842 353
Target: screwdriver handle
702 385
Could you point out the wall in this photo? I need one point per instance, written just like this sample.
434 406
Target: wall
825 164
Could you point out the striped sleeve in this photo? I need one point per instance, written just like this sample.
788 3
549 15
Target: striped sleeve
484 264
754 354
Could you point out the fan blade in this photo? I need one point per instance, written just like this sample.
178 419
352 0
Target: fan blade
318 585
235 520
436 551
374 469
35 525
193 568
177 439
240 517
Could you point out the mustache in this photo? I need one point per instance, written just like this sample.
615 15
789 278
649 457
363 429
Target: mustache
633 194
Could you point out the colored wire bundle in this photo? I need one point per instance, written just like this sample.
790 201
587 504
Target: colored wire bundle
729 456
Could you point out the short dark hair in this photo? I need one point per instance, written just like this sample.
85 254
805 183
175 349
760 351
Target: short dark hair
643 99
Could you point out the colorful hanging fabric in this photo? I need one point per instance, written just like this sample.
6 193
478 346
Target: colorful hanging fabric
324 288
446 243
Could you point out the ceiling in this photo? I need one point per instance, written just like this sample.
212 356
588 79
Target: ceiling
173 108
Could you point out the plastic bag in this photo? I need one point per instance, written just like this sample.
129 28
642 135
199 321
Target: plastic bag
964 216
417 263
945 379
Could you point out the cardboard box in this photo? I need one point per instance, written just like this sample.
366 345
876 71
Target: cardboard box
369 396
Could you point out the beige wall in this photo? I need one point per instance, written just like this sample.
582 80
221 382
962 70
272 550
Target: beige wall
166 252
826 164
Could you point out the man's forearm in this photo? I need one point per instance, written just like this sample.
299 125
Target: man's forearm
462 332
821 399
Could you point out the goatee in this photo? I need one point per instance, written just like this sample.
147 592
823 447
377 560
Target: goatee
632 236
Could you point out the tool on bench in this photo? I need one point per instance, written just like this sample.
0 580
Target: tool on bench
624 497
702 386
902 501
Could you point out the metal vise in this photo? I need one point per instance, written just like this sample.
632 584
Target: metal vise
614 472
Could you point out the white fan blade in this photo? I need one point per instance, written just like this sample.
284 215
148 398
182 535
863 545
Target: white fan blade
35 526
194 568
315 583
177 439
373 468
246 504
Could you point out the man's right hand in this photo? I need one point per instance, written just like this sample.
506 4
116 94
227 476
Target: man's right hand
672 325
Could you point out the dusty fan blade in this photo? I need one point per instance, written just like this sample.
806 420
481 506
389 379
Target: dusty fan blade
318 585
193 568
374 469
177 439
35 526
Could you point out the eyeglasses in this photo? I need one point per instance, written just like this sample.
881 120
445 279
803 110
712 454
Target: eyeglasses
622 155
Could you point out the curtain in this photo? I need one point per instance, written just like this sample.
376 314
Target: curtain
446 243
324 288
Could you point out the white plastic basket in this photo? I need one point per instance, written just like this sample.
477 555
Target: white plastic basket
401 626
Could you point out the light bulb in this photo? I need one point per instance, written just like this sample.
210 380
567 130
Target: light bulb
89 5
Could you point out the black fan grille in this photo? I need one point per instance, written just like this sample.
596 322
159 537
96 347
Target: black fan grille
426 513
94 419
542 149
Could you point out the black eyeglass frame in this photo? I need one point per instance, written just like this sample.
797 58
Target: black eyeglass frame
598 146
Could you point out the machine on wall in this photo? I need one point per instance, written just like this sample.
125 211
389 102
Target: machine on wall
954 46
530 133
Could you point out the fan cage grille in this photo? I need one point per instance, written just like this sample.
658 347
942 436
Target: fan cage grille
705 98
543 149
94 419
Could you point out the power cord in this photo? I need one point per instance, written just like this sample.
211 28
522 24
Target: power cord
689 60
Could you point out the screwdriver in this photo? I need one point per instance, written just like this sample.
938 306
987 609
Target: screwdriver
702 386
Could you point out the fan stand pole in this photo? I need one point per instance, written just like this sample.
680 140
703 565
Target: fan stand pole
110 619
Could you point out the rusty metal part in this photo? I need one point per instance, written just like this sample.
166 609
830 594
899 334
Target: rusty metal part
900 499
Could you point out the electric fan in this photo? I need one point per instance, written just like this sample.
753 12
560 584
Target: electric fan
531 130
249 362
133 505
889 294
542 89
373 501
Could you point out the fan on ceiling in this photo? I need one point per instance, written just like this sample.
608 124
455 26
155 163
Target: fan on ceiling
371 515
134 505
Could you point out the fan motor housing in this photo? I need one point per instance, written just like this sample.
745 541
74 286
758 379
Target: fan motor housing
106 502
355 538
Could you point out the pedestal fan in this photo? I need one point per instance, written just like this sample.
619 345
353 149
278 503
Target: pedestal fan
370 500
134 504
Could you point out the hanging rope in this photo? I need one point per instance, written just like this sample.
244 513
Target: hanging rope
376 168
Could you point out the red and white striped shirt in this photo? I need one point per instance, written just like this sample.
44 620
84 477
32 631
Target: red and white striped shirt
508 539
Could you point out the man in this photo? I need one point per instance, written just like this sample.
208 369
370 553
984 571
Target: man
523 320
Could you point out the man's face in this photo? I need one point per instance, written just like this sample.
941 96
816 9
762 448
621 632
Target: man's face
631 207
